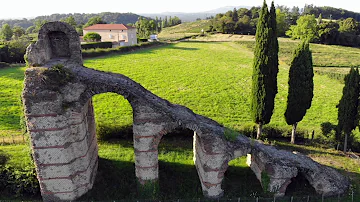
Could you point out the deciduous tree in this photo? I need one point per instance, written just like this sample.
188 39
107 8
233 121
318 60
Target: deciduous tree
305 28
6 32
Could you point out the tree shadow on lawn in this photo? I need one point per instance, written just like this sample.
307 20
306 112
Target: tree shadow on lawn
115 180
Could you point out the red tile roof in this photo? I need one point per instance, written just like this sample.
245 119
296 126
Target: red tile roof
109 27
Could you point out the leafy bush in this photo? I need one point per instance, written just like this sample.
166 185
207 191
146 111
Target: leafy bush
4 64
19 181
121 49
14 51
92 36
3 158
94 45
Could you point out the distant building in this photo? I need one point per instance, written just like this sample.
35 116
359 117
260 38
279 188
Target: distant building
153 37
119 34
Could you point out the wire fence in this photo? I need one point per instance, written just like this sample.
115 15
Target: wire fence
14 139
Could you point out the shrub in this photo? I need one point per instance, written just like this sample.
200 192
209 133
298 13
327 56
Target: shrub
4 64
121 49
94 45
19 181
3 158
92 36
328 129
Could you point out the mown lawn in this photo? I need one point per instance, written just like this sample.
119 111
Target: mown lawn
212 79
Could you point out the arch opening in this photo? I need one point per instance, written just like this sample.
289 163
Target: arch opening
59 44
237 177
113 117
300 186
178 176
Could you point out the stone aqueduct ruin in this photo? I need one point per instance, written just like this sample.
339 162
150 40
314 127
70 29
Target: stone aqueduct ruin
60 118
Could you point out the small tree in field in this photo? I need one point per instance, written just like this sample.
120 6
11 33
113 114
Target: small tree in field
92 36
301 87
348 105
265 68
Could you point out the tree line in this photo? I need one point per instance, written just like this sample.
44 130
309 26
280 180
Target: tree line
300 83
145 27
309 22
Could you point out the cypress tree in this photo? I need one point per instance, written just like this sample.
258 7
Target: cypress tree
348 105
265 68
301 86
273 64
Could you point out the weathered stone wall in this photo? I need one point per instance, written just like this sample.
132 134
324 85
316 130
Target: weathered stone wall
59 115
63 141
279 167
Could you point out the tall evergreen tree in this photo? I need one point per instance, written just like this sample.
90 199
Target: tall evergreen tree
265 69
273 64
348 105
301 86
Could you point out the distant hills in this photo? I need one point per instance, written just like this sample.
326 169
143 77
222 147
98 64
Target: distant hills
189 17
110 17
80 18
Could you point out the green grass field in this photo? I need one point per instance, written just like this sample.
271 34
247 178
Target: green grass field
11 84
212 79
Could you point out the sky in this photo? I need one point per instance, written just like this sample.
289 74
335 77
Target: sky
17 9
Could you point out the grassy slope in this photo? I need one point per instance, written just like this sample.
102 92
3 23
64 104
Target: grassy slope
184 30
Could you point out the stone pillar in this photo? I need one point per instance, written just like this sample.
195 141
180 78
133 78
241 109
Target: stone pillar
273 177
211 163
64 147
148 129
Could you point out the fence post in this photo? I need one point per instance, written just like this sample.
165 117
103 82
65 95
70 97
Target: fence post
239 199
308 198
13 140
322 198
338 197
257 199
274 198
291 198
23 138
352 196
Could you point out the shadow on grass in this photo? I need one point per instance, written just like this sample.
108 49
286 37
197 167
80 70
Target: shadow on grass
181 48
116 180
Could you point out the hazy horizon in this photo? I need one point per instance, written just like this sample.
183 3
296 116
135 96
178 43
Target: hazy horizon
32 9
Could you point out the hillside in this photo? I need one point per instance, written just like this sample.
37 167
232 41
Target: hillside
183 30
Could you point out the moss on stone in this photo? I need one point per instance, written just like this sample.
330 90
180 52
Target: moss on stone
57 76
230 134
265 181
